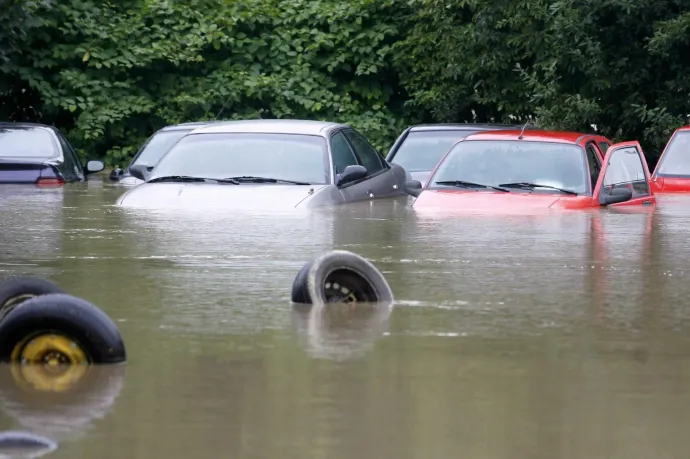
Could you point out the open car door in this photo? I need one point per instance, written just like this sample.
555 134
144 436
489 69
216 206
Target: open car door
624 177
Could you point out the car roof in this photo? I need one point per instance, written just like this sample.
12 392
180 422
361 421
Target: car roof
24 125
466 127
283 126
189 126
529 136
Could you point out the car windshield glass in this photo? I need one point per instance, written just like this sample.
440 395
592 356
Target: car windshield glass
495 162
421 151
294 157
676 160
26 143
158 145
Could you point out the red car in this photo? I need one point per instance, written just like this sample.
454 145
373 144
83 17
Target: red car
672 171
514 171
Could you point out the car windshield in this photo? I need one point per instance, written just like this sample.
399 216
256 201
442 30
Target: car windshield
26 143
676 159
421 151
301 158
158 145
495 162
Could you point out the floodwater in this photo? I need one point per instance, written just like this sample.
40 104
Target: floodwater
546 336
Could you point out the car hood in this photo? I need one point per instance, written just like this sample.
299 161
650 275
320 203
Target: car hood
495 201
226 196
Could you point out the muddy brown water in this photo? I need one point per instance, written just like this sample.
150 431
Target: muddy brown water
558 336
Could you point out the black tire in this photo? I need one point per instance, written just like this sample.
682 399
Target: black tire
17 290
85 324
340 276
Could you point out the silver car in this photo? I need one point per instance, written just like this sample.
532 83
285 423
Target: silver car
154 148
266 164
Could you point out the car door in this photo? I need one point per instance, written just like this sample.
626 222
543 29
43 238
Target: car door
342 156
71 167
625 167
603 143
381 181
594 157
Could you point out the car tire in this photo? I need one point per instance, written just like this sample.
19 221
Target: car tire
340 276
60 328
17 290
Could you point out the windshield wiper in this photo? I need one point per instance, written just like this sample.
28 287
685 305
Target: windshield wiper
253 179
532 186
189 178
463 184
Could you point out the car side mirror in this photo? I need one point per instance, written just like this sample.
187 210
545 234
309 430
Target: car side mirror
94 166
615 196
115 174
351 174
140 171
413 187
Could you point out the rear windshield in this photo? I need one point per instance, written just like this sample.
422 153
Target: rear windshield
26 143
421 151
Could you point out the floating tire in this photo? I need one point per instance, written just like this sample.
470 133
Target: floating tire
17 290
340 276
60 329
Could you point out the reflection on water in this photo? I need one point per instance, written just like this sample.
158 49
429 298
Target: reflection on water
530 337
59 406
341 330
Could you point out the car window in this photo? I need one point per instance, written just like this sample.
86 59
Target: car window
625 170
27 143
493 162
157 145
366 154
604 146
594 163
421 151
72 165
342 153
675 160
302 158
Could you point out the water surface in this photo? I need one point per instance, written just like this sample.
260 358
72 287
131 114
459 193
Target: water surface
548 336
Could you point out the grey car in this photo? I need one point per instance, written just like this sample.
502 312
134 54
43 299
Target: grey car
419 148
267 164
154 148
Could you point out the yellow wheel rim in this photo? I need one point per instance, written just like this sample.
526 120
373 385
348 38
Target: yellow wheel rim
49 349
49 362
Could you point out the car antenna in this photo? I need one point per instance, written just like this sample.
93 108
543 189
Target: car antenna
522 131
223 107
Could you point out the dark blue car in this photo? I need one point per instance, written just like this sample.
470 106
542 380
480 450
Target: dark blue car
40 154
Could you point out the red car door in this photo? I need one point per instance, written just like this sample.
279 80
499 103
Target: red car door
625 167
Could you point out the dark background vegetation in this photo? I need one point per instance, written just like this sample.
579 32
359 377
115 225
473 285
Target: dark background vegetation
108 73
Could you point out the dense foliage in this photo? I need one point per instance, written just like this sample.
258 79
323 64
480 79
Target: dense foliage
109 73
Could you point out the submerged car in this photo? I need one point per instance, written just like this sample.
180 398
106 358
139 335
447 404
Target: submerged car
267 164
154 148
40 154
672 171
513 171
419 148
